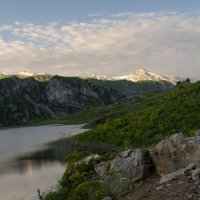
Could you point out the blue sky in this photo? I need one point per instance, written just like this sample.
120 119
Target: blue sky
42 11
112 37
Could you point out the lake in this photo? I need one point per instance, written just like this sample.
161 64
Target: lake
30 159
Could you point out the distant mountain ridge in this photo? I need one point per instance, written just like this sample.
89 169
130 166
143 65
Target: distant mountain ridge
22 73
142 75
138 75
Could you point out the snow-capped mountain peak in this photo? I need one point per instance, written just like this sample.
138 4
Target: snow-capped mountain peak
138 75
142 75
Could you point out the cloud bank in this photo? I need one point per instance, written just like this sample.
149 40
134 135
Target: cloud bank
163 42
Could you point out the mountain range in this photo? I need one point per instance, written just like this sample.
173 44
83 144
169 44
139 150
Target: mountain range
25 99
138 75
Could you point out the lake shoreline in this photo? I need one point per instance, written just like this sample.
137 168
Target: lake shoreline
38 125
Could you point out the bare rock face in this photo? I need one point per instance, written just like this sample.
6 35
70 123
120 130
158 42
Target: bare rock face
126 168
175 153
26 100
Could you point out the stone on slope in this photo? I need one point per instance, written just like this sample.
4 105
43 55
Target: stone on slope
126 168
175 153
177 173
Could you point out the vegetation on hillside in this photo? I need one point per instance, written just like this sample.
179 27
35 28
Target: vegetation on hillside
147 122
91 115
154 119
79 181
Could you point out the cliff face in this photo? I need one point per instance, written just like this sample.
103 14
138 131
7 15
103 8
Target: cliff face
26 100
68 95
14 104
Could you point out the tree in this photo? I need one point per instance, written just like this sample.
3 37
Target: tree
187 80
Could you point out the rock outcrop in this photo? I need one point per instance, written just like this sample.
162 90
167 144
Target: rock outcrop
175 157
120 173
175 153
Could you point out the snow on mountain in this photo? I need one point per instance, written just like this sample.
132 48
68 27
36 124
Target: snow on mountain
138 75
173 79
100 77
4 74
25 73
22 73
142 75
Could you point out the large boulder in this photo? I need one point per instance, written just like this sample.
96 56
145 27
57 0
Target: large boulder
175 153
126 168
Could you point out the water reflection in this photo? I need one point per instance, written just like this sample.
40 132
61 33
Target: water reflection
22 175
17 141
23 186
51 153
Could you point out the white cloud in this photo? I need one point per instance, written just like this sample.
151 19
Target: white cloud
163 42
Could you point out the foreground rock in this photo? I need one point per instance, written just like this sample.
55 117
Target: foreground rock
177 157
175 153
120 173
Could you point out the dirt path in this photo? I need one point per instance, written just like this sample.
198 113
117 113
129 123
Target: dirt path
182 188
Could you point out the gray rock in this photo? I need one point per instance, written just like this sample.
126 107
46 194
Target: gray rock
174 175
160 187
175 153
107 198
195 174
197 133
121 172
171 176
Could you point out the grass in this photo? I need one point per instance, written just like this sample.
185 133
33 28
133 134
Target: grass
120 85
5 76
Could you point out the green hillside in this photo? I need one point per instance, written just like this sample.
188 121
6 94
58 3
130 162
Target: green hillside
142 124
121 85
157 117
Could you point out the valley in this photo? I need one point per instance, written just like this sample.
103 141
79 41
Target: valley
99 100
122 115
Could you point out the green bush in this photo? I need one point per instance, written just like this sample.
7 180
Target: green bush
59 194
89 190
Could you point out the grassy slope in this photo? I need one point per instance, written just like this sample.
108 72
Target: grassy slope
156 118
120 85
89 115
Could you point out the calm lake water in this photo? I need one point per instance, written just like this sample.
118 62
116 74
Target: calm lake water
30 159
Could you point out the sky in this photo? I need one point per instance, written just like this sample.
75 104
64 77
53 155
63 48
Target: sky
111 37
